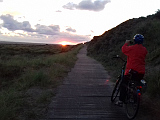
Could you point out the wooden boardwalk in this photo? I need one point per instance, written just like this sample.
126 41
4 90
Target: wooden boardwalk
85 94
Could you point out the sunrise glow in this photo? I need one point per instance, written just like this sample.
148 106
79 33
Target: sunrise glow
64 43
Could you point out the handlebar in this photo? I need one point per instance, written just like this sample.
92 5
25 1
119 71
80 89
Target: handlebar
117 56
125 62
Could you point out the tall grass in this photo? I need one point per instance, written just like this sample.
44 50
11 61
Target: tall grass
153 81
22 69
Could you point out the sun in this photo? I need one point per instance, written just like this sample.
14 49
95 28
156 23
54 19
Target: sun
64 43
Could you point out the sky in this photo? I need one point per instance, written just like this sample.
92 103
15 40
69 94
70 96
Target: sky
69 21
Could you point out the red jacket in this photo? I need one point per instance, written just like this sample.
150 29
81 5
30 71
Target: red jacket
135 57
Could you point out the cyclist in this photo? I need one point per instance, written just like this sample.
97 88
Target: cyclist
135 61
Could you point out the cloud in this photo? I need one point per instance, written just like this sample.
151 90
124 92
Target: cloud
11 24
97 5
1 0
58 11
43 33
71 37
70 29
70 6
47 30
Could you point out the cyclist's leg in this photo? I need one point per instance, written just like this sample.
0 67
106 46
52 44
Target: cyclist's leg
139 77
123 90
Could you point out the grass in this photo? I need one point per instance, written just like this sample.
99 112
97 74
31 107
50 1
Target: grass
28 76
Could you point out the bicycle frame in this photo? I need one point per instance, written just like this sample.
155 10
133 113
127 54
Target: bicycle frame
123 70
123 67
116 89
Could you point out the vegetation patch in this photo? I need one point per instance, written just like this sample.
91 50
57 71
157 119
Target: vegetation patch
29 75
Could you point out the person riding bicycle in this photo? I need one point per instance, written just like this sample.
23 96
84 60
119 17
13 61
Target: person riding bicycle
135 61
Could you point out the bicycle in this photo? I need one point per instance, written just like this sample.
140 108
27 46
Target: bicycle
133 96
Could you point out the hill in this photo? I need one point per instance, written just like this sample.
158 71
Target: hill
109 44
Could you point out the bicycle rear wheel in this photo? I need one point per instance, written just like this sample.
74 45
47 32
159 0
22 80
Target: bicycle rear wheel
116 90
132 103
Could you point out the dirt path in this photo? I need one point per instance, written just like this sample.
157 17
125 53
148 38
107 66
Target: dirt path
85 94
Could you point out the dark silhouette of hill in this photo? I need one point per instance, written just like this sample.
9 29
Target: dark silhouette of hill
104 47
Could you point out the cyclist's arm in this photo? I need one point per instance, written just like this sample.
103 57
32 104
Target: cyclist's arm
128 41
126 48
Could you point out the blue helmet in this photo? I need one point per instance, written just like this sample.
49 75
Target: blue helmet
138 39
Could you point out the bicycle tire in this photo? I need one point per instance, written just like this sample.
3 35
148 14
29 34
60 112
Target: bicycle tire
116 90
132 103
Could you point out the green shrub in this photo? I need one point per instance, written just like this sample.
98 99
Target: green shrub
153 82
10 102
35 78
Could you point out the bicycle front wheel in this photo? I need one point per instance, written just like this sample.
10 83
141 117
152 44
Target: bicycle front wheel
116 90
132 103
